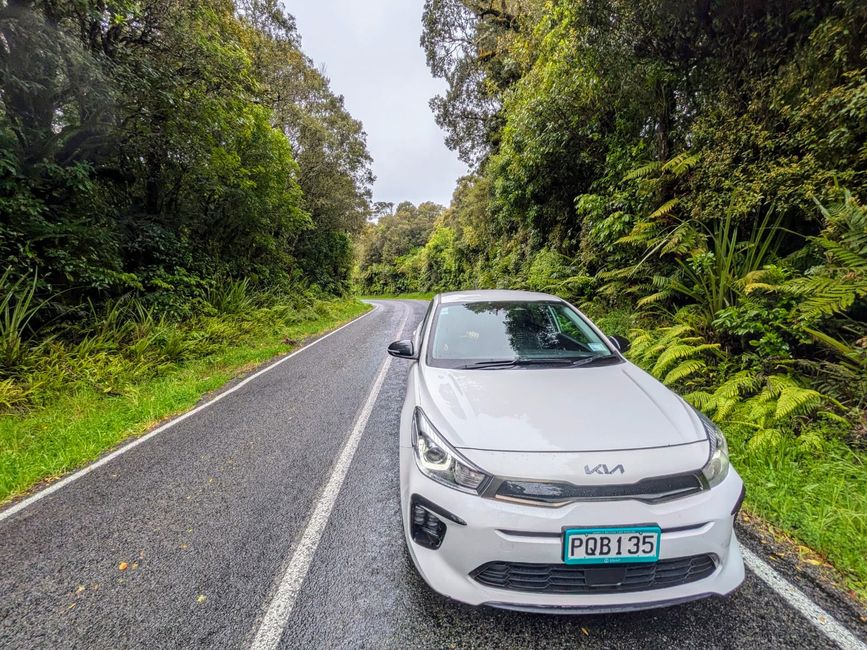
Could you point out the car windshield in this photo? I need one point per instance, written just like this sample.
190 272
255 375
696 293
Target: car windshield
492 334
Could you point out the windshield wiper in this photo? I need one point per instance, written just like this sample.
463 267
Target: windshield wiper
589 361
510 363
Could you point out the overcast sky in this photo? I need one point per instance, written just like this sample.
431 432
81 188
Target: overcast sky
370 51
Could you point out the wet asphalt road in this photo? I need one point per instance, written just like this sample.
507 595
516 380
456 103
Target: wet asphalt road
206 513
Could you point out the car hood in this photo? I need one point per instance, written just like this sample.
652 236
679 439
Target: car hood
617 407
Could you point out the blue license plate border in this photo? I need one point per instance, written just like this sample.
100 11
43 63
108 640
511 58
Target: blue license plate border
571 531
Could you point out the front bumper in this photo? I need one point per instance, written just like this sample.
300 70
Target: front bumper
497 531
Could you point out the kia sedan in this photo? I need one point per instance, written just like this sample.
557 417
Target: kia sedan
542 471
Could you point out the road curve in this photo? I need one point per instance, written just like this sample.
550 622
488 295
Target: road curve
184 540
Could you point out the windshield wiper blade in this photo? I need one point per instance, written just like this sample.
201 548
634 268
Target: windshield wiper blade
509 363
496 363
589 361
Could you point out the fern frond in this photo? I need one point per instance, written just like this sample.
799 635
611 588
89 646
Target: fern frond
702 400
762 280
680 352
659 296
643 171
811 440
634 237
795 400
826 296
681 163
765 438
684 370
676 331
737 384
842 254
617 274
683 240
776 384
664 209
724 408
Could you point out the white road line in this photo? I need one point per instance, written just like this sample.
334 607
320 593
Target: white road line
797 599
284 598
135 443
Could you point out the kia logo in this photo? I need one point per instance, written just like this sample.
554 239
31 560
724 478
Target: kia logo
603 469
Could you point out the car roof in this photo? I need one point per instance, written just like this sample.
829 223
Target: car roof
488 295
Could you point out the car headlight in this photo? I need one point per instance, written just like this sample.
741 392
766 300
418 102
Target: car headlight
718 465
438 460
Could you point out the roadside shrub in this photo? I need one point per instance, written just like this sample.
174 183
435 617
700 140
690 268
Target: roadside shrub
125 342
18 306
548 271
230 296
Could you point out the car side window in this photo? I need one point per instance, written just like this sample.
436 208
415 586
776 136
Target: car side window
419 332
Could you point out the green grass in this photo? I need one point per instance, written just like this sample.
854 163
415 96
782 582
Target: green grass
817 495
78 420
422 295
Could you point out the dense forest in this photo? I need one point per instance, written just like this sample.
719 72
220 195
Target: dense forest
693 175
179 190
159 148
157 155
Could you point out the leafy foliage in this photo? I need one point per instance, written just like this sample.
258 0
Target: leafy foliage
768 405
836 285
157 147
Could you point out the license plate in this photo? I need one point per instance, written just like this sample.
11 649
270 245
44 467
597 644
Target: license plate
611 545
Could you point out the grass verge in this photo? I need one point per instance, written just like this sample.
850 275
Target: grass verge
818 496
82 419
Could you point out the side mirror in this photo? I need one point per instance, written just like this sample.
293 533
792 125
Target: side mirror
620 342
402 349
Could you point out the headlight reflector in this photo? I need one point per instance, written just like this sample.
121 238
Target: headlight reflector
717 466
439 461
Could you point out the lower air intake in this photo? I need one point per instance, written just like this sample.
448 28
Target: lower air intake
602 579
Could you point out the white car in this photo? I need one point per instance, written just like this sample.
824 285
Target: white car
542 471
